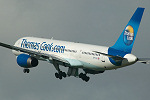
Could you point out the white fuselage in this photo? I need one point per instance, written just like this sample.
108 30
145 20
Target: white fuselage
79 55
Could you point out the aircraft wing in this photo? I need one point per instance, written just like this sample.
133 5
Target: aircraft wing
144 60
30 52
111 56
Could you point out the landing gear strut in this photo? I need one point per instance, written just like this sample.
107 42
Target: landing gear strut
26 70
60 74
84 77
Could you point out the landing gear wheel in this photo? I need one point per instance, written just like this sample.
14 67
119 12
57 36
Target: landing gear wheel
60 75
64 74
26 70
84 77
80 75
56 75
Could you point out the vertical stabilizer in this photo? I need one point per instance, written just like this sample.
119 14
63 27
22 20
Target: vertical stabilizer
126 40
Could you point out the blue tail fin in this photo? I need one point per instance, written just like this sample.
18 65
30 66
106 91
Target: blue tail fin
126 40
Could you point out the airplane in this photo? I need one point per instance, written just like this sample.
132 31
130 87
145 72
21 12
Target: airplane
92 59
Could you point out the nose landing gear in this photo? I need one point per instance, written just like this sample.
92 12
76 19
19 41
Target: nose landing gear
26 70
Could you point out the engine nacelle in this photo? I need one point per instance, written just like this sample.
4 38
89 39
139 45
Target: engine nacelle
26 61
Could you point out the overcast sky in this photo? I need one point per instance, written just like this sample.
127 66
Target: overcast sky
98 22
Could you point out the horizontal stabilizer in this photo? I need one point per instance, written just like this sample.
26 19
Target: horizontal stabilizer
144 60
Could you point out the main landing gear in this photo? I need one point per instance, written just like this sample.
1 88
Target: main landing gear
84 77
60 75
75 72
26 70
71 72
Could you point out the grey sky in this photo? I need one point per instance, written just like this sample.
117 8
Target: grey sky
97 22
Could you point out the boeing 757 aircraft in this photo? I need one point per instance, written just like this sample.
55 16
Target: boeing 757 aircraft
92 59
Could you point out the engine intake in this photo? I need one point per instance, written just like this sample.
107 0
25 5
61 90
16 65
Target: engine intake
27 61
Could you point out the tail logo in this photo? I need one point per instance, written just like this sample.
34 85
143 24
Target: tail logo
128 35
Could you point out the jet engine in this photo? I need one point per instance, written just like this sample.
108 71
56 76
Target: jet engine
26 61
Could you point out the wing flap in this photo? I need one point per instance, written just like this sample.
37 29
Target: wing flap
58 58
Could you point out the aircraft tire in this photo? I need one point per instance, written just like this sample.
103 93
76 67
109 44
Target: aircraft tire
26 70
56 75
64 74
87 79
81 75
60 76
84 77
